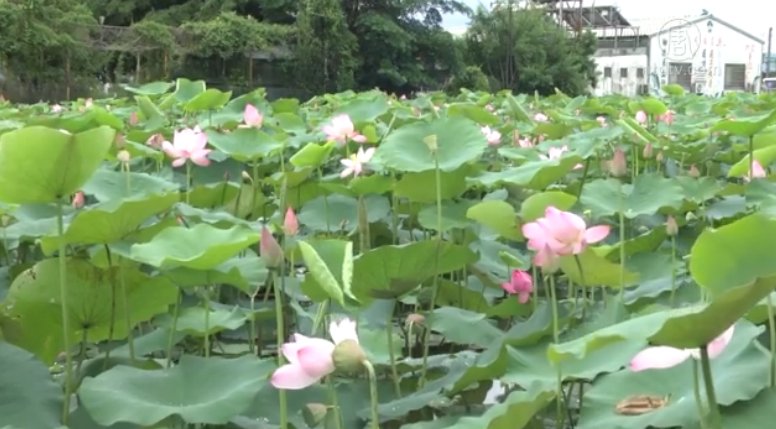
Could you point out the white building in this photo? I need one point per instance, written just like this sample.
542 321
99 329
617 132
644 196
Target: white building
704 54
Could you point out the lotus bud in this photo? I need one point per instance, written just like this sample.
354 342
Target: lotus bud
694 172
601 120
269 249
314 414
349 357
618 166
133 119
672 228
123 156
79 199
290 223
415 319
641 117
649 151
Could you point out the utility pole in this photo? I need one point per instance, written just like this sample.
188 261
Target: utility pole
768 54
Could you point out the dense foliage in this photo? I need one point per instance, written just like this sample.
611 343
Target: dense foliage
480 261
56 48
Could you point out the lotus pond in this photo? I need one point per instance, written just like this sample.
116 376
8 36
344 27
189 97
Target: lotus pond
182 258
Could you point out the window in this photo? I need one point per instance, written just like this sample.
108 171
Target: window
640 73
607 72
735 76
680 74
623 72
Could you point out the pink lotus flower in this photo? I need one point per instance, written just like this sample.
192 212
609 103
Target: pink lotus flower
560 233
757 172
155 141
310 359
57 108
493 136
540 117
341 129
252 117
661 357
188 144
269 249
641 117
555 153
355 164
667 117
525 143
79 199
290 222
521 285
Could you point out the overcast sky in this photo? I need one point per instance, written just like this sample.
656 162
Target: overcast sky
753 16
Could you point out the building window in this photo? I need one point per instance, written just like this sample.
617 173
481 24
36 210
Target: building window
640 73
735 77
680 74
623 72
607 72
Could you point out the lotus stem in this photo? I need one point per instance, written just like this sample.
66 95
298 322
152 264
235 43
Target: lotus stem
673 271
696 390
207 321
622 245
334 398
375 424
188 182
584 177
751 156
65 311
392 354
772 339
435 285
173 327
715 420
127 317
280 337
252 326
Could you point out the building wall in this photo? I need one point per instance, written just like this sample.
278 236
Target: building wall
703 54
611 59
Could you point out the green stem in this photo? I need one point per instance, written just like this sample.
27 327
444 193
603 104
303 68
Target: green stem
584 177
715 420
696 390
333 397
751 156
392 353
319 316
375 424
127 318
280 337
582 285
207 321
435 286
112 325
65 312
673 271
173 327
622 245
188 181
772 338
252 326
555 337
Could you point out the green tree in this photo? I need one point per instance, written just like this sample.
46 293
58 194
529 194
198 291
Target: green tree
325 49
526 51
402 45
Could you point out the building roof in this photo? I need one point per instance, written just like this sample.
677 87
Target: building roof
681 22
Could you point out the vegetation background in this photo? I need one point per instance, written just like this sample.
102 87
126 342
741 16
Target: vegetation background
58 49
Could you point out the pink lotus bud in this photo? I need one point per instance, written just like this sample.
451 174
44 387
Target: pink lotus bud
415 319
269 249
252 117
521 284
618 166
290 223
540 117
133 119
641 117
79 199
601 120
649 151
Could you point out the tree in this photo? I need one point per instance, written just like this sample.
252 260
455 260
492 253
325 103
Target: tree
325 48
526 51
401 44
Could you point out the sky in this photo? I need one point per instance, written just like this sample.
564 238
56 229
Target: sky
753 16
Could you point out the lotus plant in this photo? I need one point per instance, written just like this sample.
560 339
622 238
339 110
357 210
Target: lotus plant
188 144
252 118
354 165
560 233
661 357
520 284
492 135
342 130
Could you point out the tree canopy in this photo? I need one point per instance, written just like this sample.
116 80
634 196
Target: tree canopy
330 45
